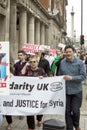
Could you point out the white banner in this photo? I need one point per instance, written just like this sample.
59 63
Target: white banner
32 96
4 68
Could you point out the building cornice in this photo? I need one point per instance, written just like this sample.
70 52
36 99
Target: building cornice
35 9
42 14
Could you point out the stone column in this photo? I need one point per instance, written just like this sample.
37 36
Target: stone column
47 31
2 27
72 24
54 5
22 28
37 32
31 29
7 22
49 8
42 34
13 19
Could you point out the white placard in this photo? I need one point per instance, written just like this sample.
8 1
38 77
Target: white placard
4 68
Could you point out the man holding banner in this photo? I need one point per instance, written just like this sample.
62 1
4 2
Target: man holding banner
75 72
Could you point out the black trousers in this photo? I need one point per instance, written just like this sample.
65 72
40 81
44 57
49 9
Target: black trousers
72 116
9 119
31 121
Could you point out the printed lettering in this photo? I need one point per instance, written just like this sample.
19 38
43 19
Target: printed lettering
24 86
43 105
27 103
8 103
42 86
56 103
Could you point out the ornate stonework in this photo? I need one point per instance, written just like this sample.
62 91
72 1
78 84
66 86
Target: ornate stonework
4 3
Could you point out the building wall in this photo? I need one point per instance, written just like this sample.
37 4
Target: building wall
31 22
54 34
44 3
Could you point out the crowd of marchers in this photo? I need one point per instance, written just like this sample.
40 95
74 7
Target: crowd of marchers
65 62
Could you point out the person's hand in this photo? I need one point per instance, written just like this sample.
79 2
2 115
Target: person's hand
27 64
67 77
41 77
23 71
10 75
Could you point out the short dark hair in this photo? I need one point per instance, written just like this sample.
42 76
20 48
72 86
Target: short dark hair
43 53
21 51
69 46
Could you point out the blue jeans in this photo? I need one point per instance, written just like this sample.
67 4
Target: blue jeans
72 116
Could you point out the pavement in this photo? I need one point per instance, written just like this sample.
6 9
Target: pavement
22 125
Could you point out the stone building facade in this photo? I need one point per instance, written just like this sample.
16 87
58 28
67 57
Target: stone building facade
32 21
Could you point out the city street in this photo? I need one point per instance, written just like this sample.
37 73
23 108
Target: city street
42 28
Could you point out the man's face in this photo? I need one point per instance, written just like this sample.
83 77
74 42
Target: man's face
21 56
69 54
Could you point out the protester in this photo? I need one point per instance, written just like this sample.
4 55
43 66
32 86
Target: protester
82 57
35 71
49 57
44 63
56 60
86 68
18 66
74 73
